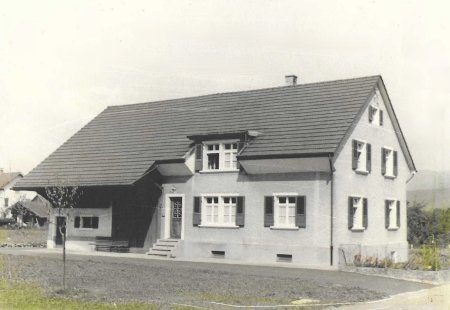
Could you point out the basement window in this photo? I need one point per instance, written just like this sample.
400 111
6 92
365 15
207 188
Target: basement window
218 253
284 257
86 222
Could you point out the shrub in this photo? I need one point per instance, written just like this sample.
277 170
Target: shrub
429 256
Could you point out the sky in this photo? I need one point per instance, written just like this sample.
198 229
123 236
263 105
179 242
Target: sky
63 62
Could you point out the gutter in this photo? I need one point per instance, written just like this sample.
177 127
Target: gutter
412 176
332 170
279 156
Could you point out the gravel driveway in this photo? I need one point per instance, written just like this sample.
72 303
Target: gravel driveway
202 284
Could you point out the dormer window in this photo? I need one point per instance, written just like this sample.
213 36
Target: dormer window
220 156
216 152
212 153
361 157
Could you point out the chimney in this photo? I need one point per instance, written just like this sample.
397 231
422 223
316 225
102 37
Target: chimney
291 80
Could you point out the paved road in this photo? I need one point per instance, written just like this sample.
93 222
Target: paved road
201 284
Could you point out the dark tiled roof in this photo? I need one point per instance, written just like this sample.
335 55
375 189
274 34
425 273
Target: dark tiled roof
122 142
38 207
6 178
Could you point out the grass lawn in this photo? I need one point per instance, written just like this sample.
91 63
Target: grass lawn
24 235
17 294
20 295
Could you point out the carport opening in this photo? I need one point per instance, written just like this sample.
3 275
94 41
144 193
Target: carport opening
218 253
284 257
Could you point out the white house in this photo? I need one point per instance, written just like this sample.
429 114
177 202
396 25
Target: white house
304 173
7 196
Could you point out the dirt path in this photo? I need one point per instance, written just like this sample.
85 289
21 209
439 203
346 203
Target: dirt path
436 298
201 284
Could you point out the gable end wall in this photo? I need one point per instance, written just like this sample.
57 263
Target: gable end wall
376 239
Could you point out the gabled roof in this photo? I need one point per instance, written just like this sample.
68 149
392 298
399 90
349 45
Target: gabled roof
6 178
123 142
37 207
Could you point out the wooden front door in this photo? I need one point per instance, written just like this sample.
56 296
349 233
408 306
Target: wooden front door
60 229
176 214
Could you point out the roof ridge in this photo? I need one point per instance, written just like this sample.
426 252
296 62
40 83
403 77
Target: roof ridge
248 91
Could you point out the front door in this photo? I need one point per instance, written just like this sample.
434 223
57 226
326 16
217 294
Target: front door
60 229
176 214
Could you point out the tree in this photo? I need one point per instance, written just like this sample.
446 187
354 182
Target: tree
418 224
425 224
18 211
63 197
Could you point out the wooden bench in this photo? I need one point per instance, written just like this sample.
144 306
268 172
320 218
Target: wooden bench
106 244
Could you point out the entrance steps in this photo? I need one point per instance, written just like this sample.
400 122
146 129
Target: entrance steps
164 248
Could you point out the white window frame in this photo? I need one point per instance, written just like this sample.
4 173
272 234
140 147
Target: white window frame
221 211
361 147
358 215
389 159
276 211
82 216
392 214
375 111
222 152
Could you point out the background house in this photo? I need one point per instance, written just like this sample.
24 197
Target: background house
30 212
8 196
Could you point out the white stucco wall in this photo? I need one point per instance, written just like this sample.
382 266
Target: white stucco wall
13 196
376 240
80 239
254 242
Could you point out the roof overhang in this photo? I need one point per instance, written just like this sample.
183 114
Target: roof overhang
243 134
286 163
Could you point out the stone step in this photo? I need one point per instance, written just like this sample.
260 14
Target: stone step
158 253
165 243
168 240
162 247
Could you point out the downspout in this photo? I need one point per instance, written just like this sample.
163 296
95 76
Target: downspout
331 208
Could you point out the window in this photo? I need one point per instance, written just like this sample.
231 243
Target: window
357 213
212 156
285 211
223 210
392 214
389 164
373 113
361 156
220 156
90 222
